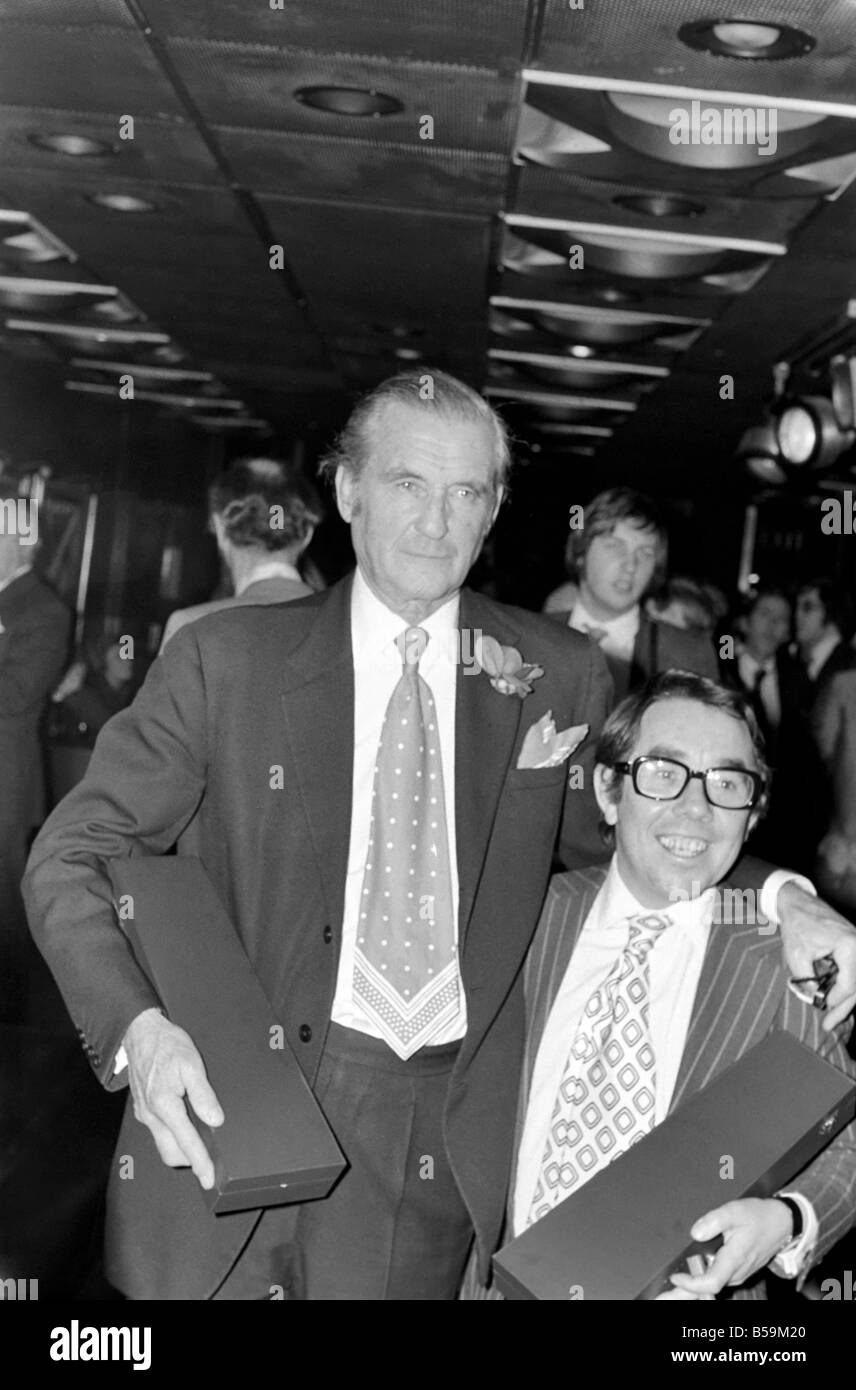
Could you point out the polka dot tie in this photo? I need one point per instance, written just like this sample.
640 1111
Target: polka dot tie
605 1101
406 975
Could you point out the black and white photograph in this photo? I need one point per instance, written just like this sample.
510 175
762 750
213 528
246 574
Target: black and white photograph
428 670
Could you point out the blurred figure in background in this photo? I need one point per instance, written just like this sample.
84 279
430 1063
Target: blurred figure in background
619 557
834 726
776 686
264 513
35 627
821 621
92 691
683 602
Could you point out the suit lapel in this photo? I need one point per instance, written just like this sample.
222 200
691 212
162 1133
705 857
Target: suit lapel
318 704
486 725
739 991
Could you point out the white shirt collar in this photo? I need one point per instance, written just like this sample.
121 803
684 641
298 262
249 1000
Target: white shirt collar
617 903
16 574
374 628
270 569
622 630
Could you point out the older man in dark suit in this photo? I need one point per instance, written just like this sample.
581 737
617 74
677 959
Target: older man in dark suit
34 633
374 778
642 984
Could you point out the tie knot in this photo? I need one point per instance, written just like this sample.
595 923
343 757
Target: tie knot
645 927
411 644
597 634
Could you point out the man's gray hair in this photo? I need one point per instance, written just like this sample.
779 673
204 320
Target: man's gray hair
422 388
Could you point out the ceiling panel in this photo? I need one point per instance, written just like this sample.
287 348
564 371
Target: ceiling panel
401 266
161 151
245 85
359 170
83 69
639 43
483 32
84 12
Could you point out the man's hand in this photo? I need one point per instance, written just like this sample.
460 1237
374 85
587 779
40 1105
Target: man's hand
163 1067
810 929
754 1230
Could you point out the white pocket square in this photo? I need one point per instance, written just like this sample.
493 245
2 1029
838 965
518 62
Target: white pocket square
543 746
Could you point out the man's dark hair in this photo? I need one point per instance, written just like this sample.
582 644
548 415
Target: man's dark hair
602 515
621 730
250 487
751 601
422 388
832 596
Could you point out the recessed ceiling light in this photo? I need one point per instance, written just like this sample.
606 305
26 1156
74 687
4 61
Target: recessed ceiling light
610 294
349 101
121 202
115 310
30 248
407 354
580 350
744 38
78 146
659 204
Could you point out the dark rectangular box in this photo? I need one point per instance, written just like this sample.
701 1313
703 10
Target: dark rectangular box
627 1229
275 1145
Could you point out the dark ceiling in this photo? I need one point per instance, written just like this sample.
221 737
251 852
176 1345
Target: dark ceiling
444 240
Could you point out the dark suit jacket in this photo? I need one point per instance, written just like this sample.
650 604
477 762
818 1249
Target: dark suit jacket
233 696
33 647
661 646
742 996
274 589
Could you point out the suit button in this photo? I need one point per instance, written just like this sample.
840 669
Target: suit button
304 1033
327 935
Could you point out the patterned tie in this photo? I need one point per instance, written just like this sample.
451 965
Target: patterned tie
606 1096
406 974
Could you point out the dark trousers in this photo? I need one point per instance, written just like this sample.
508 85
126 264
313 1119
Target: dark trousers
395 1226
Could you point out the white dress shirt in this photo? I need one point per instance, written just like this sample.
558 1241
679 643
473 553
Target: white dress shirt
620 632
377 671
748 667
675 964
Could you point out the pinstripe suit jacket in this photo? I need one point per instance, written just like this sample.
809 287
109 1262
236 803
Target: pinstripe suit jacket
742 995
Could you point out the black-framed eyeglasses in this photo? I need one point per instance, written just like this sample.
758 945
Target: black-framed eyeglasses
663 779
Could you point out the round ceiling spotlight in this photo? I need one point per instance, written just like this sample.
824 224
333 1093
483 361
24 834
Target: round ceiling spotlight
121 202
745 38
114 310
709 134
808 433
349 101
407 354
659 204
76 146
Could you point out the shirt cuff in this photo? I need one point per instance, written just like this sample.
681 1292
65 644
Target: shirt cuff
121 1061
795 1259
770 891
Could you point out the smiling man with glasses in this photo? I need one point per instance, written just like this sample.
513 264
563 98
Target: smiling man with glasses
639 992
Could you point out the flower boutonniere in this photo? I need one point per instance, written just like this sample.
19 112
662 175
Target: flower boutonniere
508 672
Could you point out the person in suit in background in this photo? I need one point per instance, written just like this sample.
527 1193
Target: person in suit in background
618 557
776 686
264 513
282 743
35 627
640 988
821 619
834 729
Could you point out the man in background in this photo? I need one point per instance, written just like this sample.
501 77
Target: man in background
264 513
619 557
34 634
820 622
777 689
